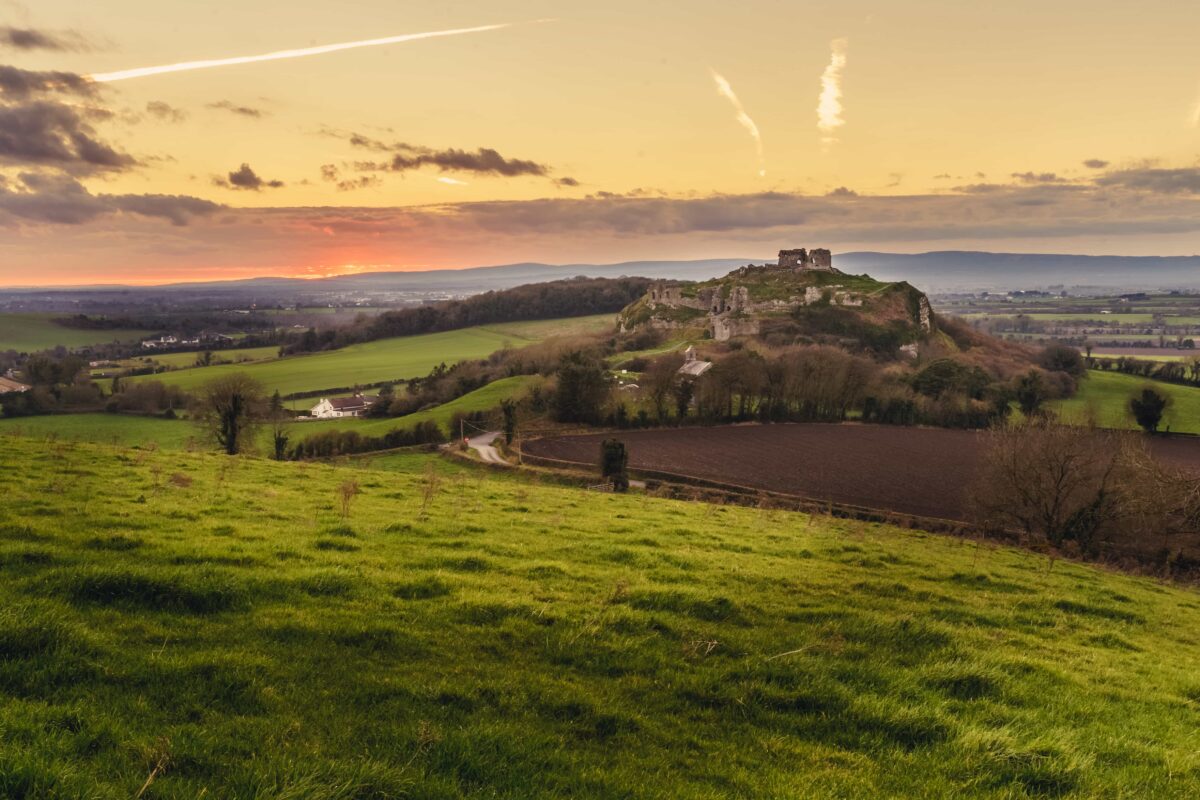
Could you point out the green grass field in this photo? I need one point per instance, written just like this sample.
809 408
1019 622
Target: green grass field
1166 355
188 359
482 399
217 628
136 431
1104 397
121 429
1131 318
385 360
27 333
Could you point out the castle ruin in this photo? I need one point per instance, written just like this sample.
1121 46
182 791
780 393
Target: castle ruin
802 260
730 310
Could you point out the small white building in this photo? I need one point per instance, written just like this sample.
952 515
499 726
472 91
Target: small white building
161 342
693 367
330 408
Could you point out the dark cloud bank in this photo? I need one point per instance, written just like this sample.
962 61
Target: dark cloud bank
48 132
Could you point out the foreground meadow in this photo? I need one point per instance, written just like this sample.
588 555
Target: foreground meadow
185 625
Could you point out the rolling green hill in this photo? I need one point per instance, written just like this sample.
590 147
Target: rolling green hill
27 333
384 360
1104 396
482 399
219 628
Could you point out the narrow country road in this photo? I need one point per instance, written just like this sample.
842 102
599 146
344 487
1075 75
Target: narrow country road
482 444
488 454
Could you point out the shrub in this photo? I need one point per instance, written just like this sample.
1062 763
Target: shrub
1147 407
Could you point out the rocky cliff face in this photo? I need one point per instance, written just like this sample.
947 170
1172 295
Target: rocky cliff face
785 300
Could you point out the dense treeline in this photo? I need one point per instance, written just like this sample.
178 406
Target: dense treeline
339 443
1185 373
811 383
576 297
57 384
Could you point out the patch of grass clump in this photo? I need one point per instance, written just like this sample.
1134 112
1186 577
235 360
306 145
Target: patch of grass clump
422 589
336 545
116 542
326 584
964 682
26 558
467 564
492 613
189 593
1036 769
1111 641
1093 610
707 609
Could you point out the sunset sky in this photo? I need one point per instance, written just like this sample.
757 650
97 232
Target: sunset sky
586 132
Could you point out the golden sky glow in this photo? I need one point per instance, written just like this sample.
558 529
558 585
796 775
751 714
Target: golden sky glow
613 144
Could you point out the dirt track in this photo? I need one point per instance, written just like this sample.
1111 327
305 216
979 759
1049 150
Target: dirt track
911 470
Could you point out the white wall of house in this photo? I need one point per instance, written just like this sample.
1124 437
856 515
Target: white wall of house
324 410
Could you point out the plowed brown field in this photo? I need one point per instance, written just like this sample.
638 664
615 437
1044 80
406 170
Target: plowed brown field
920 471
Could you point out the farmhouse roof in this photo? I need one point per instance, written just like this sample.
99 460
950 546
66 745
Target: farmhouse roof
695 368
352 403
8 385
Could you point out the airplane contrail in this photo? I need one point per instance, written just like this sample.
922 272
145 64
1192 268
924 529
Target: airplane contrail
829 103
726 91
186 66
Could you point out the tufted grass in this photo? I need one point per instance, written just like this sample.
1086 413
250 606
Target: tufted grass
237 638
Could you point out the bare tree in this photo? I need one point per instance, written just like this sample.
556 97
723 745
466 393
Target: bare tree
230 408
281 421
1083 485
1045 479
659 382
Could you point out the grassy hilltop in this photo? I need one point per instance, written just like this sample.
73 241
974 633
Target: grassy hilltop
848 306
216 627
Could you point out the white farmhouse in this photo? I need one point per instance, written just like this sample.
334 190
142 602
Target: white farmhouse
355 406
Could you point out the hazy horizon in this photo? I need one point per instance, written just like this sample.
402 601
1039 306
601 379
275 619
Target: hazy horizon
147 145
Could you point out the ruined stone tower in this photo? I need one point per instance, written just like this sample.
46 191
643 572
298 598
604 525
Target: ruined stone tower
801 259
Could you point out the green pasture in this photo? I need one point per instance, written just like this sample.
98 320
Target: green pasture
1104 397
1133 318
122 429
179 434
27 333
184 625
483 399
1166 354
188 359
384 360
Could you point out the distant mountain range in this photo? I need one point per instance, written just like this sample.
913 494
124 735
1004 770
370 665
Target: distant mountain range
936 271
